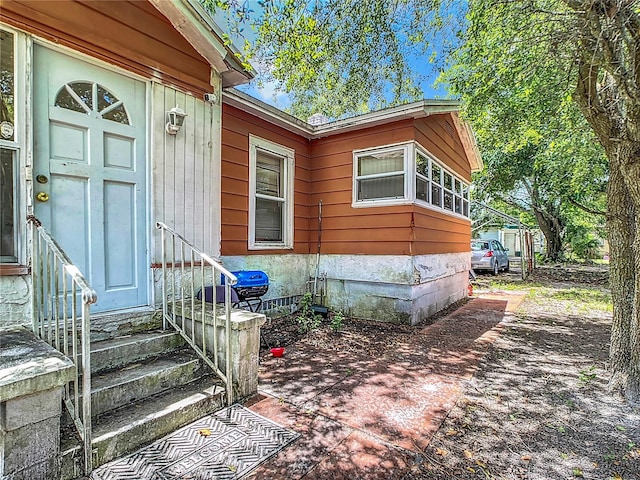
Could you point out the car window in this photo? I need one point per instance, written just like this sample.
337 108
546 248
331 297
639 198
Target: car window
476 246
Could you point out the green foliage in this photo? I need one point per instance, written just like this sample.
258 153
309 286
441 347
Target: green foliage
587 375
541 157
337 322
306 318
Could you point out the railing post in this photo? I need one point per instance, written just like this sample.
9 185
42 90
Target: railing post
179 302
50 265
86 387
227 342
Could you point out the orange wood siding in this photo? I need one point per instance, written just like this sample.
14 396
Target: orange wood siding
390 230
130 34
438 135
324 171
236 128
348 230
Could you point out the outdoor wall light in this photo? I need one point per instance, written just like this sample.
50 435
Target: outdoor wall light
176 118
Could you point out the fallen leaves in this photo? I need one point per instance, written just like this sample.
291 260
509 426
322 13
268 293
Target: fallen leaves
205 432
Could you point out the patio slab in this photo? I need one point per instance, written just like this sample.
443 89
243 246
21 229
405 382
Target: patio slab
363 417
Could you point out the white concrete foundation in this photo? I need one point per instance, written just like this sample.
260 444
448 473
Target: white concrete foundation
390 288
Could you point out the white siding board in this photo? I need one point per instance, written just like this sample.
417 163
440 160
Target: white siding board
186 170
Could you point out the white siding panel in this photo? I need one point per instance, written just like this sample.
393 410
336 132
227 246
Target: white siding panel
186 170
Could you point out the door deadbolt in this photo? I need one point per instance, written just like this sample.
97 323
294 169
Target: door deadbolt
42 196
42 179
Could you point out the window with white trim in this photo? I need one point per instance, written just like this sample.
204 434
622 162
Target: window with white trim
271 170
9 169
382 176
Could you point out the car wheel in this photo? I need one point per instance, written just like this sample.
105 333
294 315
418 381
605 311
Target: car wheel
495 267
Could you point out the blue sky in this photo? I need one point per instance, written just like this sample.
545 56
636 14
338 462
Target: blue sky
269 94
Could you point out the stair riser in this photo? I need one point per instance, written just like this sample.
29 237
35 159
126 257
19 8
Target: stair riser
117 356
116 396
112 446
113 325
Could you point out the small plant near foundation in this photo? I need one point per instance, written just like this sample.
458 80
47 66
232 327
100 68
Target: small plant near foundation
337 322
307 319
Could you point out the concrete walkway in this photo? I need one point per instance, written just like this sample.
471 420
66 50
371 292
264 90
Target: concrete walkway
369 418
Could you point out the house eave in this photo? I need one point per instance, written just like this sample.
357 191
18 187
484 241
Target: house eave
190 19
415 110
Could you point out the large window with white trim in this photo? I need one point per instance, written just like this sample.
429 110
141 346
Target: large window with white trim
271 194
407 173
380 174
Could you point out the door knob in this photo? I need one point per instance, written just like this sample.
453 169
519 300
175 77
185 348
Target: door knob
42 196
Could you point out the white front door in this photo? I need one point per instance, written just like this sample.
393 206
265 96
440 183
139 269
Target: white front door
90 173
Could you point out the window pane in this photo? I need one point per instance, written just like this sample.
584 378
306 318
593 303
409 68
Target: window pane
465 208
422 165
448 180
385 187
448 200
7 207
372 164
436 173
85 91
269 175
268 220
6 86
458 204
422 192
118 114
465 192
458 189
67 101
435 195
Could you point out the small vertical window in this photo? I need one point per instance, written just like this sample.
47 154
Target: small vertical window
271 202
422 178
7 86
8 204
436 185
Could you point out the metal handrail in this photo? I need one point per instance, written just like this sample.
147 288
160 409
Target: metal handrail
179 290
59 288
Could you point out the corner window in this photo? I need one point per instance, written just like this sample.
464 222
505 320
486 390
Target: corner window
271 168
406 173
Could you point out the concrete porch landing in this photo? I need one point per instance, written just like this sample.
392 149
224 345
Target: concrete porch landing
368 418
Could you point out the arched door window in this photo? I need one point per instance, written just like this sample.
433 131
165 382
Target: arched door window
92 99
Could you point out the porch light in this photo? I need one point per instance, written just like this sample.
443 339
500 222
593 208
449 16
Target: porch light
176 118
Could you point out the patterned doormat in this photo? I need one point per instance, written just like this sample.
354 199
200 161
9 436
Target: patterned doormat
226 445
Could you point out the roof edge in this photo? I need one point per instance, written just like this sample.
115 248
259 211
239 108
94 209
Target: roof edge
192 21
276 116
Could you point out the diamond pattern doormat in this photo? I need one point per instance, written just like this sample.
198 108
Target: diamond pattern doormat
226 445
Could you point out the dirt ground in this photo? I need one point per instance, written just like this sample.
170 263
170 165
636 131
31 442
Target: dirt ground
537 407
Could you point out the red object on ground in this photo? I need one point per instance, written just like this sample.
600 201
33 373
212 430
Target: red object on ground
470 290
277 351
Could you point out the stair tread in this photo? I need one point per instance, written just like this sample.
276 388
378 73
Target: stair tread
145 410
141 369
129 339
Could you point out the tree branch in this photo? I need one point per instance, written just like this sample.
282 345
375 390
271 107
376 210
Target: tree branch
585 208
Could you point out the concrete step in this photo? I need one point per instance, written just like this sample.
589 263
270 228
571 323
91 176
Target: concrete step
114 324
115 388
131 427
120 351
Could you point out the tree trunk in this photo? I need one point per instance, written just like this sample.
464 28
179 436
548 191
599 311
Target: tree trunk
622 278
553 230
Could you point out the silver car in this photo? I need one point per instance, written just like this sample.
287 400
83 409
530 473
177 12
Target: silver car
489 255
